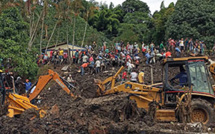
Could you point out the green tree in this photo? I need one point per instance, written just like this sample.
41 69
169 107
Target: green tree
130 6
106 21
127 33
13 43
159 23
136 18
194 19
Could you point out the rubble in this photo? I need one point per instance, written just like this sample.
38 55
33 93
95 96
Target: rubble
112 114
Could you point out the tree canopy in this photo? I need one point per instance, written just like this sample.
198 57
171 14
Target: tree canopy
27 26
193 19
13 38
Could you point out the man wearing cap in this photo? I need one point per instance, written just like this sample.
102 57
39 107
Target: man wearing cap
141 77
70 79
27 85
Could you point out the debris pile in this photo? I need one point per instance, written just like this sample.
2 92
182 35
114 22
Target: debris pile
102 115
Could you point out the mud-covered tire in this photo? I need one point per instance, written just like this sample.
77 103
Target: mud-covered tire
30 113
201 111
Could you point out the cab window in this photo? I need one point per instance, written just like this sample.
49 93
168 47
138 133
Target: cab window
200 78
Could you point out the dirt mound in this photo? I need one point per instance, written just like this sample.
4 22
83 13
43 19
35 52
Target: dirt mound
112 114
105 114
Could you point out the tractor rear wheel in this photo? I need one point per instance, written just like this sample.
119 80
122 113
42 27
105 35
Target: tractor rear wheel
201 111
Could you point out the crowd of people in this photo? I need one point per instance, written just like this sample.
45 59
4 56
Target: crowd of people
56 56
95 59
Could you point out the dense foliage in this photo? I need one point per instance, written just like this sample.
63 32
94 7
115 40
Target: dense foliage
194 19
27 26
13 43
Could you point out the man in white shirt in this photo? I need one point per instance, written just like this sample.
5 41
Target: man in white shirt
143 45
69 79
85 58
136 45
129 65
182 44
133 76
130 47
98 65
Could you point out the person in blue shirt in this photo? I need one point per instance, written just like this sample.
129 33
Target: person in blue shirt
27 85
148 57
178 52
182 76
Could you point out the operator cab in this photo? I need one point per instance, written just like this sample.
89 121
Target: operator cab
182 73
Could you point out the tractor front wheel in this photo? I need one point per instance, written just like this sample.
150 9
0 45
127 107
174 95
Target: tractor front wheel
201 111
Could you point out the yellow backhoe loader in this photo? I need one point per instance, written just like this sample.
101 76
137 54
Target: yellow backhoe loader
17 104
192 101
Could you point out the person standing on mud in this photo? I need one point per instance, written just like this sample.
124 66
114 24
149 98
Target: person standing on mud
161 47
94 46
76 56
148 57
133 76
98 65
60 54
141 77
124 77
85 59
85 65
27 85
70 79
178 52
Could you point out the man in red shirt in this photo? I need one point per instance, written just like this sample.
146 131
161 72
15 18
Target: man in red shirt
124 76
82 68
168 54
65 56
51 53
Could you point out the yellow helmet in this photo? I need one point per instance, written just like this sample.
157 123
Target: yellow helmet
1 71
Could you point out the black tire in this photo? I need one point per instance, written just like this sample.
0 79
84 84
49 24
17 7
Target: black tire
200 107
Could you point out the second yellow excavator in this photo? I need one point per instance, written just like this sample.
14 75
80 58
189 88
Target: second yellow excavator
17 104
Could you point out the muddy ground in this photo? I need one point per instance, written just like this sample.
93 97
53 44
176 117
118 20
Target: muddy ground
112 114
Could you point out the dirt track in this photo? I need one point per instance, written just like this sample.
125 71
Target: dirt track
113 114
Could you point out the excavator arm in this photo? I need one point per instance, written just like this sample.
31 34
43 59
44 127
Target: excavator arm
127 87
101 84
142 94
44 80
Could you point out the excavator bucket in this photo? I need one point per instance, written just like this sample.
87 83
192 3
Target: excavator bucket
18 104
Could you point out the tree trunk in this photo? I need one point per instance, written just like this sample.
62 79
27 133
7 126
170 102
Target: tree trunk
41 36
51 36
85 31
73 40
58 32
33 35
67 41
30 28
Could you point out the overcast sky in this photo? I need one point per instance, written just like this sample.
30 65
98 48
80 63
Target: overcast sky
153 4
